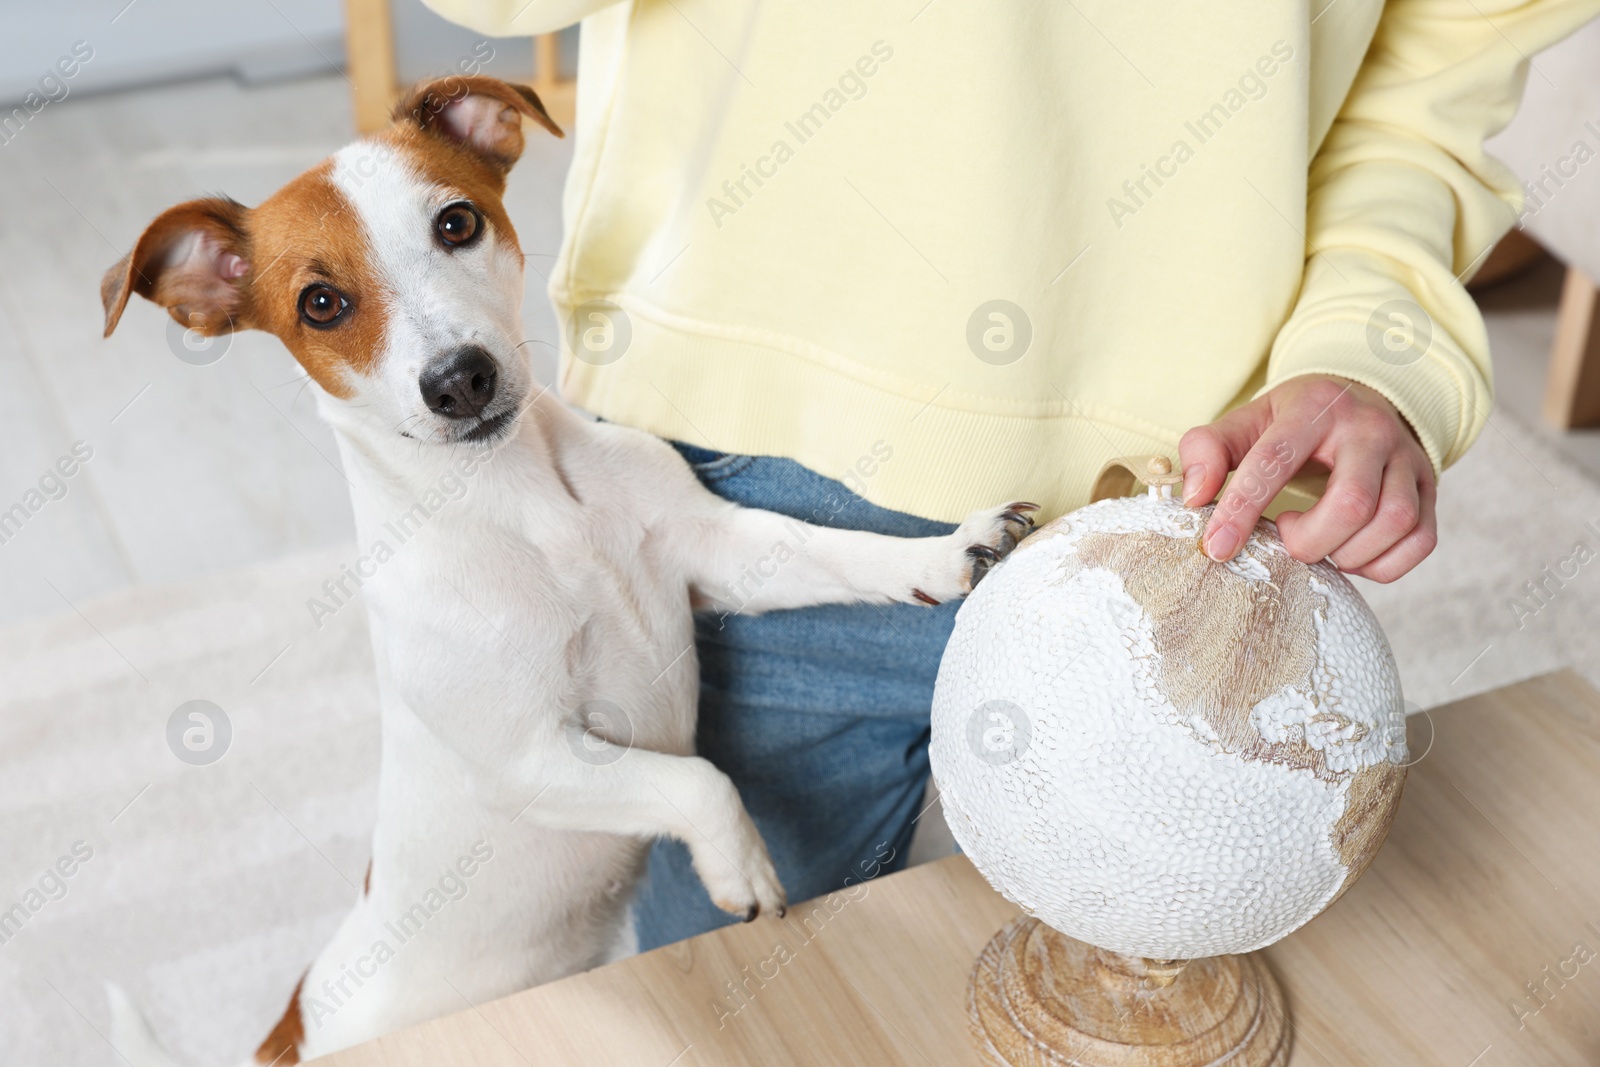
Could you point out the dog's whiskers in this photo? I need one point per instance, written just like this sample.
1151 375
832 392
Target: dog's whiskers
301 377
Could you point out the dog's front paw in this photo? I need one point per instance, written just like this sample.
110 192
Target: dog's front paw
728 851
737 872
978 544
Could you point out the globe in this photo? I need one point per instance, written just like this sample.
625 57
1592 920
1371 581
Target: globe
1158 754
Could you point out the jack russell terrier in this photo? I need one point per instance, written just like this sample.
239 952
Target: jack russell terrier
562 581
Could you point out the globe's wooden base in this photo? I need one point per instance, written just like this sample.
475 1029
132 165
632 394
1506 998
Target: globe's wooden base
1038 998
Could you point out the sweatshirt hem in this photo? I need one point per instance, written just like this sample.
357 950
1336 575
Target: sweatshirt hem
724 389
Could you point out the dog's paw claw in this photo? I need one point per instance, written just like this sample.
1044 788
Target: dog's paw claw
979 567
736 870
996 533
979 544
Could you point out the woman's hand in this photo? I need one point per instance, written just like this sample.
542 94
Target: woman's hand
1375 519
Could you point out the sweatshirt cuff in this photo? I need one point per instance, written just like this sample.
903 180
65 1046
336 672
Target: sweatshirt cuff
1445 409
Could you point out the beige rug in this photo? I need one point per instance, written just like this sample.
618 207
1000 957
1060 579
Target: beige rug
208 888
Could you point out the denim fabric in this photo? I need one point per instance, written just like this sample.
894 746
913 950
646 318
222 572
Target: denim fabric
819 715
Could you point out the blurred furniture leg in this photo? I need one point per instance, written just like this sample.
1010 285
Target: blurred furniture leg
1572 388
1555 127
1513 255
558 94
369 55
369 51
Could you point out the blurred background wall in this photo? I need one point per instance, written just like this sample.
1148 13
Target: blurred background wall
147 42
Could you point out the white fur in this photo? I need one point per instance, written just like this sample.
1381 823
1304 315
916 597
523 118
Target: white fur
561 576
435 300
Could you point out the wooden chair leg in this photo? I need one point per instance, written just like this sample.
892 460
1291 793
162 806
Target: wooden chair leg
558 95
546 63
369 54
1572 386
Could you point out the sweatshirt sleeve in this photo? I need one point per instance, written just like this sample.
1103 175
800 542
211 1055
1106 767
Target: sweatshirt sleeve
516 18
1403 203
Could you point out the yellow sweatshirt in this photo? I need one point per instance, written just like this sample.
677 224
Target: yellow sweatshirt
957 253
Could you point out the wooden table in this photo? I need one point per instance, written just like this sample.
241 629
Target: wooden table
1490 879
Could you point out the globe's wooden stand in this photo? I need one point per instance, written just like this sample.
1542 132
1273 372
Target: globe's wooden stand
1038 998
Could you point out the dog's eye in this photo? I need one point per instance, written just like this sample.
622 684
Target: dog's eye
459 225
322 306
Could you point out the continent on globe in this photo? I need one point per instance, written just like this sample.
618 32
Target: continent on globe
1160 754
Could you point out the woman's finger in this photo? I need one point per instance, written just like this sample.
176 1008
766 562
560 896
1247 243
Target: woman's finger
1283 449
1414 547
1348 505
1398 512
1207 453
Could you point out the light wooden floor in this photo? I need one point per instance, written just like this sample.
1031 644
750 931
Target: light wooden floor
196 469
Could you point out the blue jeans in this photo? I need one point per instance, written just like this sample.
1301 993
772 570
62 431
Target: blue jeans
819 715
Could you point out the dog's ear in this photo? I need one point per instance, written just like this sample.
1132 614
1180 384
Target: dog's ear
481 114
193 260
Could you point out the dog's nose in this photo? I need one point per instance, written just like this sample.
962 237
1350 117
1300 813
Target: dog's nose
460 385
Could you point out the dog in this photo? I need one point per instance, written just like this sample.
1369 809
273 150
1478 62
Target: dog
534 636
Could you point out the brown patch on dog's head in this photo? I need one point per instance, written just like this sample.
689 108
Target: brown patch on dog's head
445 164
217 266
310 241
466 133
306 252
482 115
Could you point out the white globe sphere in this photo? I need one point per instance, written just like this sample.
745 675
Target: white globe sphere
1162 755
